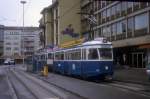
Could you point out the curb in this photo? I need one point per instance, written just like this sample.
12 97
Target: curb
134 82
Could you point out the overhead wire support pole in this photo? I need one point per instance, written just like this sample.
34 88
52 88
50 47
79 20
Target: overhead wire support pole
22 36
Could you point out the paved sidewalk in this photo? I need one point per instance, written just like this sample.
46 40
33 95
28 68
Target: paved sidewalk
133 75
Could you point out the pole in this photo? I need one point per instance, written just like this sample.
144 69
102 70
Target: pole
23 2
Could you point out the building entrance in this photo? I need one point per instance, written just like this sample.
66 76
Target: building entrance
137 60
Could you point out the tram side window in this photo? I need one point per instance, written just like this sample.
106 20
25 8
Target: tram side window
78 55
50 56
93 54
62 56
83 54
56 56
59 56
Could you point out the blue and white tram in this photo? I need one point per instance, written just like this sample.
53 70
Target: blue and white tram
49 60
93 59
41 61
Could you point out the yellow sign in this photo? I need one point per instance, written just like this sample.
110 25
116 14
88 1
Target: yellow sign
72 43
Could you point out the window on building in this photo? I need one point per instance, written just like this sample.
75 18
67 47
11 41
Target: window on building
124 6
103 4
130 25
136 3
124 24
114 29
118 8
8 48
99 18
16 48
104 14
129 4
7 37
119 28
106 31
8 43
141 21
15 43
113 10
108 12
141 24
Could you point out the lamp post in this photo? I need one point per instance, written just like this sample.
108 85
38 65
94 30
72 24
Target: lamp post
23 3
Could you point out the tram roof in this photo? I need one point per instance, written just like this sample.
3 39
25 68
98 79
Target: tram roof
95 42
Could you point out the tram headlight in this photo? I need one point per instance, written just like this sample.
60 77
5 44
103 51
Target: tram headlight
106 68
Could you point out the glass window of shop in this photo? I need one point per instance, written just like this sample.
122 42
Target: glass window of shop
141 21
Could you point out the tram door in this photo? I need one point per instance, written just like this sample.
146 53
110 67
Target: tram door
137 60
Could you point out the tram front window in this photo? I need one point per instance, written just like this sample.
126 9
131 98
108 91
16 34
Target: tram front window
93 54
105 53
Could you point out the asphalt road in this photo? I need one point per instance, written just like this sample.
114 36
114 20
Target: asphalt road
88 90
92 90
5 92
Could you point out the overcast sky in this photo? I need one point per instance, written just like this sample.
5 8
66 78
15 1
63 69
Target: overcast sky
11 12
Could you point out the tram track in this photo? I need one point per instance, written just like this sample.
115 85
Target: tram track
45 80
57 90
37 90
15 82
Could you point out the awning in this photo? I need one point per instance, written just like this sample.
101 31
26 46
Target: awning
145 46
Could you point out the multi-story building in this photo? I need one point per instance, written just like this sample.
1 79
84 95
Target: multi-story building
30 40
127 25
46 24
60 21
20 42
12 42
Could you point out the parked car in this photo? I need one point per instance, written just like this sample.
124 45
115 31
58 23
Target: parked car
9 62
148 70
6 62
12 62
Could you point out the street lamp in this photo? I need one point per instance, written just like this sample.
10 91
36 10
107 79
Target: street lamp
23 3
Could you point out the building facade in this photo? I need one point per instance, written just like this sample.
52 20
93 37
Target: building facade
1 42
60 22
19 41
1 39
127 25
